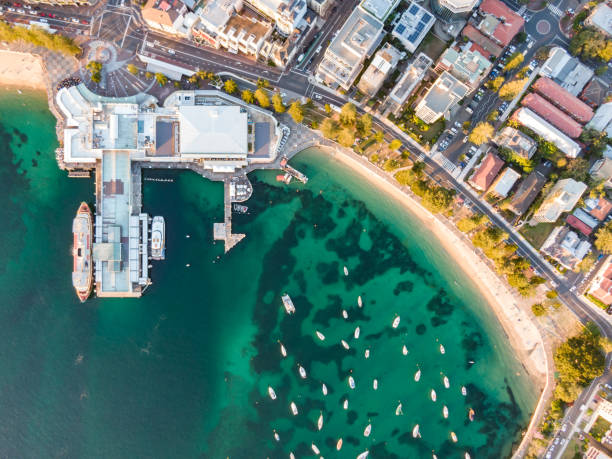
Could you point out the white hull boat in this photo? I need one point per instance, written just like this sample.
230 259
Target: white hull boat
302 371
404 350
442 350
324 389
367 354
398 410
396 322
158 238
433 395
351 382
320 335
359 302
320 422
344 314
363 455
288 304
375 384
294 409
345 404
415 432
445 412
357 331
453 437
283 350
345 271
315 449
446 382
463 391
417 375
271 393
367 430
339 445
276 436
345 345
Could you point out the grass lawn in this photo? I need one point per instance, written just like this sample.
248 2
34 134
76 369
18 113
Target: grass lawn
536 235
432 46
423 137
599 429
573 449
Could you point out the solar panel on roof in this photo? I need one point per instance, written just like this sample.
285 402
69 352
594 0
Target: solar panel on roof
414 9
426 17
419 27
401 28
413 37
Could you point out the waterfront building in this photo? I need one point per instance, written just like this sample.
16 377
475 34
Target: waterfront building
505 182
561 98
552 114
563 196
412 76
528 190
566 70
486 172
169 16
602 120
452 10
440 98
468 65
547 131
499 22
344 57
286 14
566 247
601 287
412 26
601 18
514 140
384 62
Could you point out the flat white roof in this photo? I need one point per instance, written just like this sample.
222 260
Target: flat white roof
211 129
547 131
380 9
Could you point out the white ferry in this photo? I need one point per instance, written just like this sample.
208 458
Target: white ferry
158 238
288 304
82 266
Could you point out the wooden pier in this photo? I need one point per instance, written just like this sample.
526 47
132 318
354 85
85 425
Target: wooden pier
223 231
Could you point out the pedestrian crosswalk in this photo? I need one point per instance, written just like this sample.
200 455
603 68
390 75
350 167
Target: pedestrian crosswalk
555 10
445 162
522 10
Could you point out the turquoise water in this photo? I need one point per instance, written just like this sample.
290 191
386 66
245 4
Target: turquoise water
184 370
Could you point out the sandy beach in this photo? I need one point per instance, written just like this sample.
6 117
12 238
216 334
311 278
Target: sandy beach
21 69
522 333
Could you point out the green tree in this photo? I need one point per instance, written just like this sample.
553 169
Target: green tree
348 114
538 309
511 89
495 83
132 69
247 96
603 238
296 111
262 83
590 43
379 137
346 137
578 169
395 144
261 96
469 224
161 79
587 263
364 125
230 86
177 84
482 133
96 77
328 109
148 75
277 103
202 74
329 128
514 61
580 359
437 199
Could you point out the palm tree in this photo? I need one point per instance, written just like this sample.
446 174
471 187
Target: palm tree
161 79
230 86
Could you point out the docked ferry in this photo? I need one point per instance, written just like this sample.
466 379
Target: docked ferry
158 238
82 231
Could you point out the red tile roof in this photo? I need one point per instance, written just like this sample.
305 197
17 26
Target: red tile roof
483 52
511 24
486 173
552 114
603 292
473 34
575 222
571 105
603 209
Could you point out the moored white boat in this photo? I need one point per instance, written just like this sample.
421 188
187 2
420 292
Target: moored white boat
291 456
367 430
404 350
357 331
339 444
396 322
417 375
359 302
445 412
271 393
345 345
398 410
446 382
294 409
453 437
375 384
442 350
415 432
315 449
345 404
283 350
345 271
366 354
363 455
82 263
302 371
463 391
471 414
158 238
467 456
320 422
351 382
324 389
288 304
433 395
344 314
276 436
320 335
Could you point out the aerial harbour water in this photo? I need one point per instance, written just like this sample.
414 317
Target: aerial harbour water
184 371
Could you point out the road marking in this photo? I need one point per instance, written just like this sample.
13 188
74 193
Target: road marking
556 11
127 27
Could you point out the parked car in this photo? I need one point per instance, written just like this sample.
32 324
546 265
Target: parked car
465 139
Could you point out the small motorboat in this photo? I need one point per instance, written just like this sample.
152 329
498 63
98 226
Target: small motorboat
398 410
453 437
272 393
445 412
471 414
345 271
320 335
276 436
324 389
291 455
375 384
283 350
339 444
320 422
442 350
415 432
302 371
344 314
446 382
345 404
433 456
359 302
367 430
289 307
357 331
351 382
467 456
315 449
345 345
433 395
396 322
363 455
417 375
404 350
367 354
463 391
294 409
